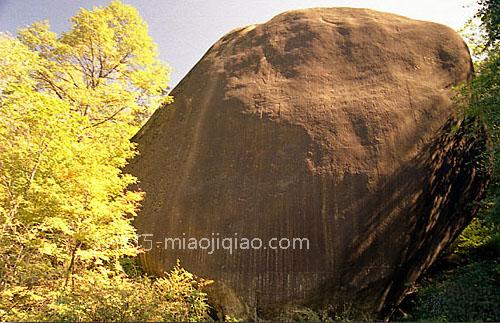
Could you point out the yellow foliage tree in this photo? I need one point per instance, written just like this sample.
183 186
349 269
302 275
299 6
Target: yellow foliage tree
68 106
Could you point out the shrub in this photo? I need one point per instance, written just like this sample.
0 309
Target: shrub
470 293
100 297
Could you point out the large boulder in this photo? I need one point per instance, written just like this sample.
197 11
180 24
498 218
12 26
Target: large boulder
334 125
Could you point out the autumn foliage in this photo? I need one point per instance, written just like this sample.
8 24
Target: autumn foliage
68 105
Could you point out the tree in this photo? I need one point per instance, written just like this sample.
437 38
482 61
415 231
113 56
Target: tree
479 99
489 14
68 106
106 66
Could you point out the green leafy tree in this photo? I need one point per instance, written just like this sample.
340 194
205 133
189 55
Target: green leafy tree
489 14
480 99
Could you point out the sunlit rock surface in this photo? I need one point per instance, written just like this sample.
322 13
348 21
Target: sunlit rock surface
333 125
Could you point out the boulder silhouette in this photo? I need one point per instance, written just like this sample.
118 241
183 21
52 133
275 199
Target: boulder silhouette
334 125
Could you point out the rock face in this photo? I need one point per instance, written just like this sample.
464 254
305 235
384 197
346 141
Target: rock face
333 125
